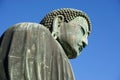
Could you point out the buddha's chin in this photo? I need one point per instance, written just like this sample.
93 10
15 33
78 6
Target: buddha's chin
77 50
73 52
70 52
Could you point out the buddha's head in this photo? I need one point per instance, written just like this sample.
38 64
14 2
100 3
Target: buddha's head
70 27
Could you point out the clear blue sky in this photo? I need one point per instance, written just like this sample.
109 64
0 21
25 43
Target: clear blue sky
100 60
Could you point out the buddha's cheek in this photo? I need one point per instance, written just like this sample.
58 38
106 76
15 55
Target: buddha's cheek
72 40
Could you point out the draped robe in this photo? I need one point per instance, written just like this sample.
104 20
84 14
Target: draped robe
29 52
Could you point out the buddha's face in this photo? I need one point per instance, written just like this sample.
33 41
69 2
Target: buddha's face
73 36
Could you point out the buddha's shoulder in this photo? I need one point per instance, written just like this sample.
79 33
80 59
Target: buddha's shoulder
26 26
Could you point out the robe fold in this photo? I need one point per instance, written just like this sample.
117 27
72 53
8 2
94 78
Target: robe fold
29 52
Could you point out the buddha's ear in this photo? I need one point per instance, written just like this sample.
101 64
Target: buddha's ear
57 23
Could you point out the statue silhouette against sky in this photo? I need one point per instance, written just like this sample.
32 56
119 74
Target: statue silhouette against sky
32 51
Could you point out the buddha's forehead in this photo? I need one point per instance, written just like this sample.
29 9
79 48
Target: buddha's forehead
81 21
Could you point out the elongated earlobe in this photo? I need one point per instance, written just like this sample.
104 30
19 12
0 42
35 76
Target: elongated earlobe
56 25
54 35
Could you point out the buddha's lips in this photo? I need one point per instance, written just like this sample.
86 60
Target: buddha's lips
80 48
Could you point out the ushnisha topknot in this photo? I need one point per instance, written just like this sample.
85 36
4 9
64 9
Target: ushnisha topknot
68 13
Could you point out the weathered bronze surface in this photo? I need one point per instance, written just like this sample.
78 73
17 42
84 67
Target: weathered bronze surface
32 51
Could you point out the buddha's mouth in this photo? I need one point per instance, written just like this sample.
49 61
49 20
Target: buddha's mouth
80 48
